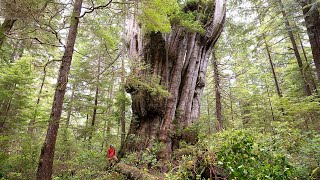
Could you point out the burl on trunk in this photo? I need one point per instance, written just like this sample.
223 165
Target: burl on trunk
176 61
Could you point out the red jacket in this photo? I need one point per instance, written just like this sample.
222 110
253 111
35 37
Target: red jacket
111 153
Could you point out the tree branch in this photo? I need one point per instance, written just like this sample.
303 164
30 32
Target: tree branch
94 8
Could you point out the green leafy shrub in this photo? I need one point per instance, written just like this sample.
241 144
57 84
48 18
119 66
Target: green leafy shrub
239 154
234 154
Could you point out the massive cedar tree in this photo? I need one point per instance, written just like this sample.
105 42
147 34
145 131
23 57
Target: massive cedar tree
178 62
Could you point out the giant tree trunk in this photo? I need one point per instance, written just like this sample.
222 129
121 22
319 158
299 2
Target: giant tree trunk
177 61
312 20
48 148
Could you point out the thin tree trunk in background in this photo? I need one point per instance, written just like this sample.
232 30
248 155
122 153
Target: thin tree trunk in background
5 108
308 69
107 122
47 151
307 89
33 120
86 127
122 84
70 106
231 103
123 103
312 22
110 109
65 131
276 83
94 114
209 115
270 103
219 126
5 29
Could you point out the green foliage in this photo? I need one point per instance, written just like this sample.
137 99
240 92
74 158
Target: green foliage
109 36
189 21
156 14
160 15
147 158
236 154
239 154
22 160
150 84
194 15
22 8
16 88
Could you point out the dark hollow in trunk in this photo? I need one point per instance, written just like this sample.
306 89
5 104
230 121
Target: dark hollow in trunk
178 62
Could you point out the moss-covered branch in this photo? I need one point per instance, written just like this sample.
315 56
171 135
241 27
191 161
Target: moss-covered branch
134 173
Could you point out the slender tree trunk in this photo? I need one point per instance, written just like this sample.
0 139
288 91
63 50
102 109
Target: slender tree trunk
307 89
5 29
70 106
312 22
86 127
270 103
122 86
33 120
209 115
47 152
219 126
308 68
276 83
123 104
187 53
231 103
94 114
5 108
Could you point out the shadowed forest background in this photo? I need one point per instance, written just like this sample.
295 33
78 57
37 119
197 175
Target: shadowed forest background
184 89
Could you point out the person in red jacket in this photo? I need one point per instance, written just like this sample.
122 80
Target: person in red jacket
111 152
112 155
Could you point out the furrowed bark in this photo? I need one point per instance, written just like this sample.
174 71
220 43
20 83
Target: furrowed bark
47 152
312 22
179 60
